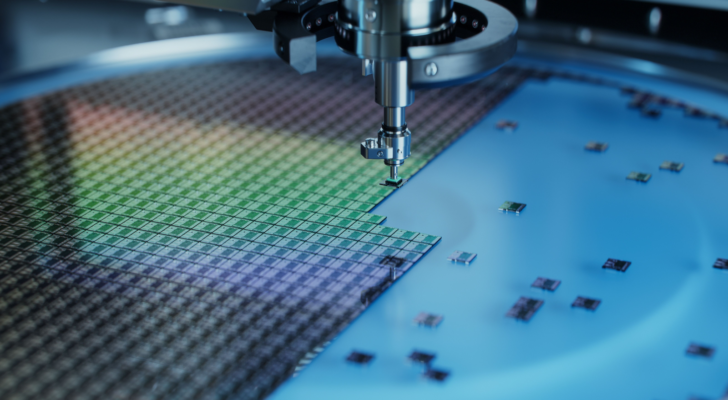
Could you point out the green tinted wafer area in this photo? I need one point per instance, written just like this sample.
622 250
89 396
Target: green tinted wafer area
194 233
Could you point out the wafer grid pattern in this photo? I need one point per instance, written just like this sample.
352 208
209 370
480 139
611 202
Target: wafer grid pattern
195 232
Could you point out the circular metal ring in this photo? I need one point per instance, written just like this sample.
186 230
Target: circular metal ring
380 45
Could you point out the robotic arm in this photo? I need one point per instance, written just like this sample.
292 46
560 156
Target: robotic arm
405 44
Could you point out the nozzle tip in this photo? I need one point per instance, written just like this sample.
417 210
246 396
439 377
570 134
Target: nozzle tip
393 172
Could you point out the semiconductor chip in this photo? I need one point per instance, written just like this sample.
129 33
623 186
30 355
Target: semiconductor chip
436 375
524 308
639 176
721 263
512 206
430 320
360 358
721 158
618 265
672 166
546 284
585 302
700 351
651 112
421 357
462 257
505 125
696 112
392 183
596 146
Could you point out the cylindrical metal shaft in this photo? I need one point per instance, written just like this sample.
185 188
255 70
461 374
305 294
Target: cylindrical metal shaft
391 88
394 117
393 175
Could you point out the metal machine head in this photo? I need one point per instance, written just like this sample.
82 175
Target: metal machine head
405 44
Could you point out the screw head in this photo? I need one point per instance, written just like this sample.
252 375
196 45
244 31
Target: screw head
463 19
308 26
331 17
475 23
380 154
370 15
319 21
431 69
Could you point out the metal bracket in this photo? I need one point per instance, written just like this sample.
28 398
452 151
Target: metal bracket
470 58
295 36
375 153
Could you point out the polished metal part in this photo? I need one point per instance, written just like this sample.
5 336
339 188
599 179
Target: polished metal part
393 93
405 44
410 44
394 117
383 30
468 59
391 84
367 67
393 172
295 36
392 146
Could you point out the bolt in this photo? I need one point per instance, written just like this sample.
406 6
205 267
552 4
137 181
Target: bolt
308 26
380 154
331 17
463 19
370 15
431 69
319 21
475 23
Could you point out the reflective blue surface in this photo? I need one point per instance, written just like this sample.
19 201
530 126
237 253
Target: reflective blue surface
580 211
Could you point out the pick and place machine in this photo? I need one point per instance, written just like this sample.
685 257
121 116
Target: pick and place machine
198 218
